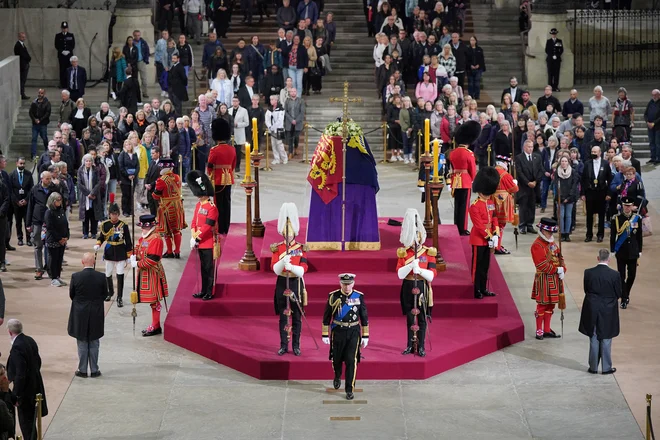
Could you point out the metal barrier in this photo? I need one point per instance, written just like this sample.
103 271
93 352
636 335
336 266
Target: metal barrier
306 128
650 435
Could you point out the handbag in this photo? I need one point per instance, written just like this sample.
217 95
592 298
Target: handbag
647 227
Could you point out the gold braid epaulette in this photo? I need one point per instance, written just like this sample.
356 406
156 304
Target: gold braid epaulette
401 252
274 247
431 252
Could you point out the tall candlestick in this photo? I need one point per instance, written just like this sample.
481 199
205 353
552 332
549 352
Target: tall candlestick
248 164
255 135
436 160
427 135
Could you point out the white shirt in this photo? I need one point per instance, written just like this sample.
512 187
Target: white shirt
552 154
529 157
13 339
514 92
250 91
596 168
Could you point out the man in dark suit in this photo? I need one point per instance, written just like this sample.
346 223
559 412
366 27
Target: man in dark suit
24 370
20 50
87 291
178 83
600 313
129 94
21 185
514 91
554 48
460 52
76 78
246 91
153 173
530 174
626 154
596 179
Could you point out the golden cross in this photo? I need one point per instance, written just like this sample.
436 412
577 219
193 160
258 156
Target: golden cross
344 117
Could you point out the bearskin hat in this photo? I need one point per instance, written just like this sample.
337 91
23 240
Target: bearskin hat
200 184
486 181
467 133
220 130
113 208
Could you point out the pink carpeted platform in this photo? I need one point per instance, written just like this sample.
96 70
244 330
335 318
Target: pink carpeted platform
238 328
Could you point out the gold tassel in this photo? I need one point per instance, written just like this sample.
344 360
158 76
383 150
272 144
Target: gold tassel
562 301
134 297
217 250
516 219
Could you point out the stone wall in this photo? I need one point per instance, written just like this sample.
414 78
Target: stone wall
10 98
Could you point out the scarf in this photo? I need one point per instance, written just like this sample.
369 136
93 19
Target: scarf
622 106
626 185
564 173
543 237
88 184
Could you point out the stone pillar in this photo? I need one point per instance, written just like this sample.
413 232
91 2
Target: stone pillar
548 14
135 15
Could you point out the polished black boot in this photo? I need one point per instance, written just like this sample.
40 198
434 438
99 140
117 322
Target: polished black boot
120 290
408 350
336 383
111 289
478 295
421 352
282 351
624 303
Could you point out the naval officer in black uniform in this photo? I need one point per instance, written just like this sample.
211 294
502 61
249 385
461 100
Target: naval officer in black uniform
65 42
344 313
554 48
626 241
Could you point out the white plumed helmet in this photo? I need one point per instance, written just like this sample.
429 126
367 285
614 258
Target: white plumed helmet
410 228
288 211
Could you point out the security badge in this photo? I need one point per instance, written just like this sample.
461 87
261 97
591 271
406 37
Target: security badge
21 191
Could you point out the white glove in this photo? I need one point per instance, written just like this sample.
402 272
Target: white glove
96 247
560 270
193 243
491 244
515 181
421 189
640 255
415 262
288 266
561 276
65 52
287 259
365 342
554 57
326 340
496 241
416 270
133 261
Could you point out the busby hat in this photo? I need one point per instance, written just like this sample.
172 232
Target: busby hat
288 216
165 162
486 181
554 31
346 278
627 201
548 224
200 184
220 130
64 25
113 208
147 221
467 133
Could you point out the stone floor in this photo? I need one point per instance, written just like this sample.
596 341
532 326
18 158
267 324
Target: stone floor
534 390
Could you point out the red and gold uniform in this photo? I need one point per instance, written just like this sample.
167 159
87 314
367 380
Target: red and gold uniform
504 202
283 304
204 232
220 168
463 172
548 288
171 216
151 280
427 260
485 226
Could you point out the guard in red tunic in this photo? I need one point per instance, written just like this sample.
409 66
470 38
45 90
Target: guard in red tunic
504 201
204 231
416 267
171 217
289 262
151 282
484 236
463 171
548 288
220 168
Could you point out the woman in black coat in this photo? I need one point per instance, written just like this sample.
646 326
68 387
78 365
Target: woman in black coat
502 143
131 54
129 167
476 66
394 126
57 235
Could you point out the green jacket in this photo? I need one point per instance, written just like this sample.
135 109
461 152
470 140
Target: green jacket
404 119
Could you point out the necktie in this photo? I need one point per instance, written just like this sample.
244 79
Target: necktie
20 178
529 158
75 79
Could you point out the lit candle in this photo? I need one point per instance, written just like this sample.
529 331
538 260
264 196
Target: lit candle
436 161
255 135
248 164
427 135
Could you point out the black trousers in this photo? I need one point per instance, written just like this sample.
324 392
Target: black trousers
153 204
126 198
55 259
64 64
346 350
24 74
421 333
10 222
239 156
246 10
223 203
221 24
527 206
89 224
480 266
461 204
595 201
628 271
296 324
206 268
26 419
554 66
3 243
21 223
